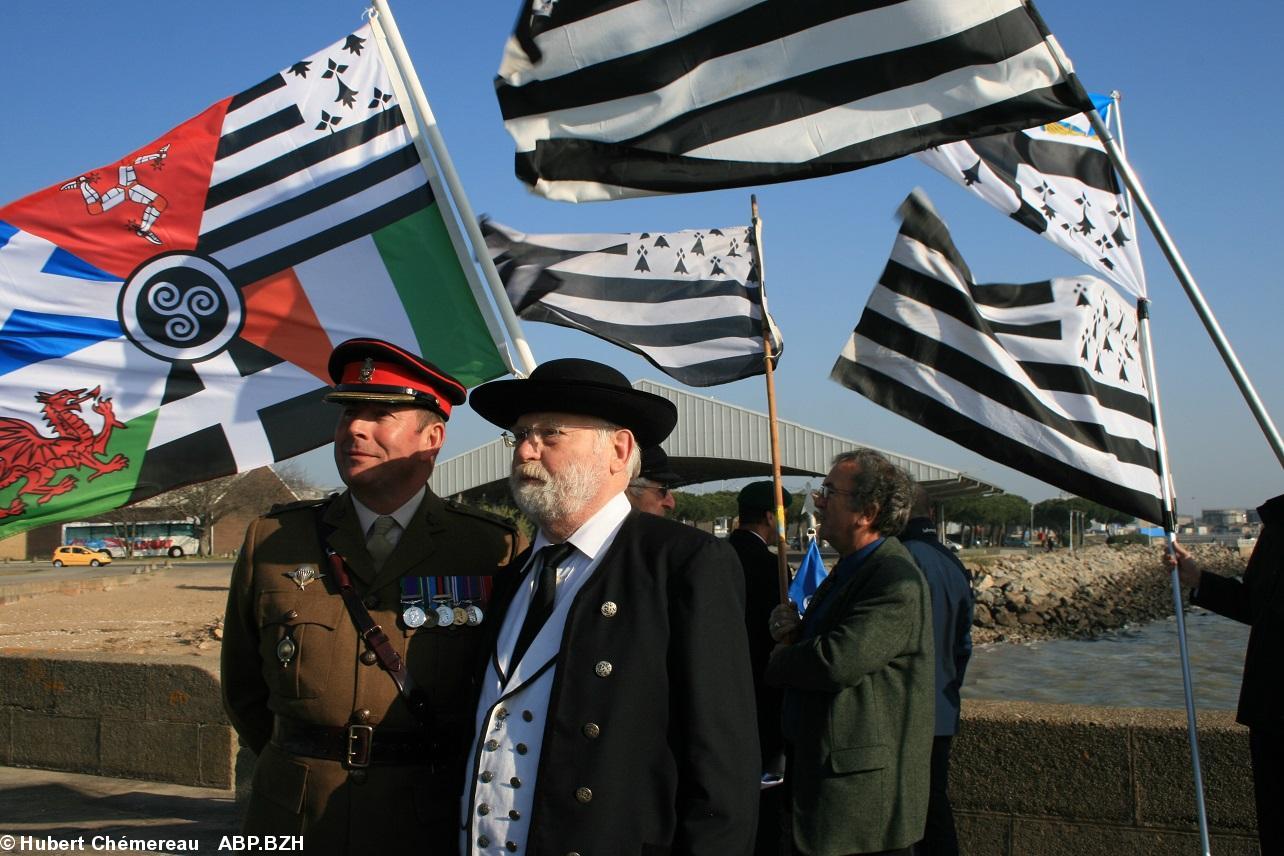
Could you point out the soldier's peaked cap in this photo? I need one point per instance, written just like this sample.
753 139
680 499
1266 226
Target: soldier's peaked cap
375 371
578 386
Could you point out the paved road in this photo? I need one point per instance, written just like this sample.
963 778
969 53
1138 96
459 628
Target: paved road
40 807
15 572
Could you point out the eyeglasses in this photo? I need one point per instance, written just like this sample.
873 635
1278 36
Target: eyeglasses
544 436
658 488
827 492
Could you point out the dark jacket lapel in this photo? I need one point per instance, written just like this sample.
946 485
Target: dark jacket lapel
418 543
346 538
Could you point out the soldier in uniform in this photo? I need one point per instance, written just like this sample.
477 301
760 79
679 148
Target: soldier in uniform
361 735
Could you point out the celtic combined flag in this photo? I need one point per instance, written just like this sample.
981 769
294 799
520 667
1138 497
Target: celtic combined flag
167 318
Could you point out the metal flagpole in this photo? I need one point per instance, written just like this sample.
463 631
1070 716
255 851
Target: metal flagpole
1187 281
1166 494
782 545
388 37
1175 260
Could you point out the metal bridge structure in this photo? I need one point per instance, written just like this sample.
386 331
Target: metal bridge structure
713 442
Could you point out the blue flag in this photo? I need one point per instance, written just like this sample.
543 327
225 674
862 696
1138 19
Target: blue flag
809 577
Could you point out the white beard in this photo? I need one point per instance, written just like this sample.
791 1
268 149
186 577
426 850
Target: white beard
555 498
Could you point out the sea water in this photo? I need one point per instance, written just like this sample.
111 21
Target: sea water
1131 667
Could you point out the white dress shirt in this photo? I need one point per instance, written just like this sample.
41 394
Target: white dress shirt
402 515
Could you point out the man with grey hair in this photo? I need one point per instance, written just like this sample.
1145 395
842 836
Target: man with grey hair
617 713
858 673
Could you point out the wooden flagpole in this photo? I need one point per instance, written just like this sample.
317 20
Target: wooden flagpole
768 355
432 147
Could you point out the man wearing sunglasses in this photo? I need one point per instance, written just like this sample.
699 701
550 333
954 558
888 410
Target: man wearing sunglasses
617 713
650 490
858 674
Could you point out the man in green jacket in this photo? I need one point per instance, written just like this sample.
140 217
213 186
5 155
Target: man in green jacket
858 674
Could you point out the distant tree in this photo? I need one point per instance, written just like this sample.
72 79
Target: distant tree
1054 514
989 518
210 501
293 476
126 524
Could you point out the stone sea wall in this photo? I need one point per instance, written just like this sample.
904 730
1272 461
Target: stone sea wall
1061 594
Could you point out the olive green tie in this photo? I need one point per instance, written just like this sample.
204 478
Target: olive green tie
379 542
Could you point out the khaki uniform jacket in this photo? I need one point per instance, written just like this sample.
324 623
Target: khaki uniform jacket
860 763
382 809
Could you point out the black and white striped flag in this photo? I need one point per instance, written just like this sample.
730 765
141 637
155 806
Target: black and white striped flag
1043 377
614 98
1056 180
689 302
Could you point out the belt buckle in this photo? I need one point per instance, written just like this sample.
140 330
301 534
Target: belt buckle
360 742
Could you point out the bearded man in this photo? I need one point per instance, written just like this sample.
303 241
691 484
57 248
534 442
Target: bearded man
617 714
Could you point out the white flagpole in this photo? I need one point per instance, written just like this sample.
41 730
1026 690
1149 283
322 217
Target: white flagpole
388 37
1166 493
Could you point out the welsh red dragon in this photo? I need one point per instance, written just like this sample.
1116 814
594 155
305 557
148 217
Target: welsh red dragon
26 453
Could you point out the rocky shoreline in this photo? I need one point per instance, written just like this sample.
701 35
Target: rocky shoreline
1062 595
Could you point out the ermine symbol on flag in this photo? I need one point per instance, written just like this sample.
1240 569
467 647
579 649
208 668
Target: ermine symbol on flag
37 458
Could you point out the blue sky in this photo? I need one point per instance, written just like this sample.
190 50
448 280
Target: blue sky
89 81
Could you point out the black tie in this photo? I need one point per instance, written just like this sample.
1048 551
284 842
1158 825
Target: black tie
542 599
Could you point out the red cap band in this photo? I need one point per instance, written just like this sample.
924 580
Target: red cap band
356 374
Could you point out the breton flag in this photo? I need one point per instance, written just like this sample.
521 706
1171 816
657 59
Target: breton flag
168 317
690 302
1057 180
615 98
1044 377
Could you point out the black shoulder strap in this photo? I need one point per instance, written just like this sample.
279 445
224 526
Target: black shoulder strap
372 634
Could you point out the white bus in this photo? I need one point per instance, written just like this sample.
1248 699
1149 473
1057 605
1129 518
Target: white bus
171 538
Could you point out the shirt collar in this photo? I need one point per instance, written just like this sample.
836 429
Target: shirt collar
920 527
598 531
402 515
855 560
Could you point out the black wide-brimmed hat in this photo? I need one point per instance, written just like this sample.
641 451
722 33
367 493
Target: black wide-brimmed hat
578 386
655 466
375 371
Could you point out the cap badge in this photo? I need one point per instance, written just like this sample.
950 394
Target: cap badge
367 371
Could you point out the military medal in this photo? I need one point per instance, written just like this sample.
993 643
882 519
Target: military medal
474 613
445 612
304 574
412 602
461 616
285 651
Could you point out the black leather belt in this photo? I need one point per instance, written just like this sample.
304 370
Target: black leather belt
356 746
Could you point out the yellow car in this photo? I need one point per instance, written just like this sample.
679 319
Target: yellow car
77 555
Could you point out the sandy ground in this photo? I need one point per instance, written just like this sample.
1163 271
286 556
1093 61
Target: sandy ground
173 611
